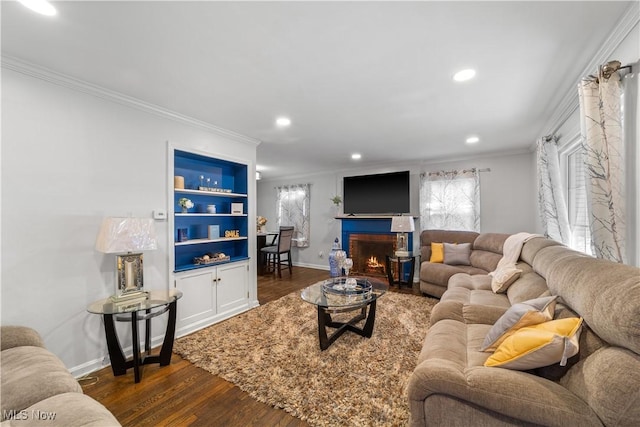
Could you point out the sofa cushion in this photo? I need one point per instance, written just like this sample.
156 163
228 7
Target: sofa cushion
67 410
437 252
441 273
502 278
608 382
540 345
457 253
469 299
606 294
450 366
487 251
518 316
14 336
31 374
529 285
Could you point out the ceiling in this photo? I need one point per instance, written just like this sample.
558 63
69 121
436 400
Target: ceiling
367 77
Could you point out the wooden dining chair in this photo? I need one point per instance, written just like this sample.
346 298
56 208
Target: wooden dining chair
275 254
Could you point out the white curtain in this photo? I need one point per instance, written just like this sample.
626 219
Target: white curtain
450 200
602 139
551 200
292 204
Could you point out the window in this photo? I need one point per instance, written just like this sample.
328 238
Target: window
292 204
572 163
450 200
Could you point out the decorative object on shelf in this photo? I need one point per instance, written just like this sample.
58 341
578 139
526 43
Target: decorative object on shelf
214 232
261 223
401 225
211 209
185 204
211 258
178 182
232 233
336 257
127 235
337 200
183 235
237 208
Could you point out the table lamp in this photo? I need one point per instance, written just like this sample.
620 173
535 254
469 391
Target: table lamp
127 237
402 225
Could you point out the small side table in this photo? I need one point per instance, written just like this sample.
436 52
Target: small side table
156 303
401 263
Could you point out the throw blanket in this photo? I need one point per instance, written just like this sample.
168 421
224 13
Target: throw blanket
512 248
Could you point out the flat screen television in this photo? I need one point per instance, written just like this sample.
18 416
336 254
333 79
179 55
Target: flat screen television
386 193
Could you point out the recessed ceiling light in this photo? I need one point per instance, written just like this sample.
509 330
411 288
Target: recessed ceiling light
283 121
464 75
472 140
356 156
42 7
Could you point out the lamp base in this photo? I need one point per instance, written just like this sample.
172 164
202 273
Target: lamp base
127 296
403 253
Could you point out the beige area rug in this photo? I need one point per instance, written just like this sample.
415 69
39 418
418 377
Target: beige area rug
272 353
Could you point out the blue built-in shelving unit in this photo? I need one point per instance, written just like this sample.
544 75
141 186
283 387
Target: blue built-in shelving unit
209 181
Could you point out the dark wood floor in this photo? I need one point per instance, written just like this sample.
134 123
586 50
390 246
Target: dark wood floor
182 394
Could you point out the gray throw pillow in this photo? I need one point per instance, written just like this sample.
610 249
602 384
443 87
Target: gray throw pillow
457 253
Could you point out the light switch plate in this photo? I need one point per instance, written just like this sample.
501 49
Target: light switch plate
160 214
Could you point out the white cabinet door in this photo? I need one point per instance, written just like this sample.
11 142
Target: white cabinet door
198 303
232 282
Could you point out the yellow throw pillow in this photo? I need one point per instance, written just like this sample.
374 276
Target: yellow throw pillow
437 252
540 345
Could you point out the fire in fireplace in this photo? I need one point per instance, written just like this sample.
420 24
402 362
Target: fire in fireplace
369 252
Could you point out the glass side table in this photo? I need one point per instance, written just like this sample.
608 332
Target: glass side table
154 304
404 268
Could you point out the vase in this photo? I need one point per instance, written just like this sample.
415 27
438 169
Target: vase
184 210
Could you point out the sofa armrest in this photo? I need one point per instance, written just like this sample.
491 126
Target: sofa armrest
501 391
16 336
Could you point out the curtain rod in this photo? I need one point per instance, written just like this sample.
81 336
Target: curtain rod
461 171
613 66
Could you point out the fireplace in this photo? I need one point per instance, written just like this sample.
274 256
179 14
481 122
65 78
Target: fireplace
369 252
368 241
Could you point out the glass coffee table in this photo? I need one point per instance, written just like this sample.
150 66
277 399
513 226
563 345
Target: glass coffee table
341 295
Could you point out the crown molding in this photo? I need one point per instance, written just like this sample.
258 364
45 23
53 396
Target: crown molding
50 76
569 102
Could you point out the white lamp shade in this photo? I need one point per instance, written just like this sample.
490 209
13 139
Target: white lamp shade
402 224
118 235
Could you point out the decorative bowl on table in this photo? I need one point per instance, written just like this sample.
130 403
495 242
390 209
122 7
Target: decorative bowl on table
347 286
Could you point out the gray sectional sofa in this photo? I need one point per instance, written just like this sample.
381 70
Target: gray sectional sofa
599 386
38 390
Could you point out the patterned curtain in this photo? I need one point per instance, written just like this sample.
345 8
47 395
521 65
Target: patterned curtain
450 200
551 200
601 132
292 204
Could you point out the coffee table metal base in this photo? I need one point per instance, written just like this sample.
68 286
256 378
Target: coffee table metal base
325 320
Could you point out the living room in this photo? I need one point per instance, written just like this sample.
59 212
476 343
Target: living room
78 147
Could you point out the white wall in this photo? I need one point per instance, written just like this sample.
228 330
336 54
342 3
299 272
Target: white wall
68 160
507 201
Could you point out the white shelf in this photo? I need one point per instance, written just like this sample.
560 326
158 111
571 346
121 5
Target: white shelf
209 193
207 214
199 241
